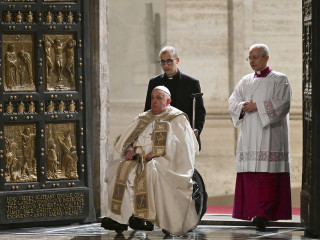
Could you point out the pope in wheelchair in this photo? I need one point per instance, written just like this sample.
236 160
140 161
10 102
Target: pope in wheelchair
151 179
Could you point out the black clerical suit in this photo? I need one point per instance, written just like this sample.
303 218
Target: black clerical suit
181 87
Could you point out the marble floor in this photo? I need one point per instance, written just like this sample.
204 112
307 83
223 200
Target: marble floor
211 227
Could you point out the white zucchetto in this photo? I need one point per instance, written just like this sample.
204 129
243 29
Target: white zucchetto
163 88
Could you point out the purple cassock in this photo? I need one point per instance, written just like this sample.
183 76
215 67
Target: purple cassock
266 195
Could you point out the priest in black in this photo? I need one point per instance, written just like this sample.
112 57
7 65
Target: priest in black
182 88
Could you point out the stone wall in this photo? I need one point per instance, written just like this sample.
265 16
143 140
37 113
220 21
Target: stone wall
99 100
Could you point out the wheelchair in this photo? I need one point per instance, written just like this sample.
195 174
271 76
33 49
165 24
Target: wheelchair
199 194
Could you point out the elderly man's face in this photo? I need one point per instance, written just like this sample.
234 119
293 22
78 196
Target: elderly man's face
159 101
257 61
168 66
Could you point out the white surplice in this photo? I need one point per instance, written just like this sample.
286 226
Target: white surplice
263 144
169 177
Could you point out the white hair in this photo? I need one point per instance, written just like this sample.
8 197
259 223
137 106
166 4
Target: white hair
264 48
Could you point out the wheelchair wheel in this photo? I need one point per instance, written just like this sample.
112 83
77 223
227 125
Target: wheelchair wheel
199 194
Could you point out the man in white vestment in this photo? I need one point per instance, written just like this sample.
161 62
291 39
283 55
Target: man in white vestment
260 103
150 176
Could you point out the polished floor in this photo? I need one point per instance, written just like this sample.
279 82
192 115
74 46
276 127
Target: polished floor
212 227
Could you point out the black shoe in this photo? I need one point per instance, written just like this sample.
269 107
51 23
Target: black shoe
166 233
110 224
260 222
140 224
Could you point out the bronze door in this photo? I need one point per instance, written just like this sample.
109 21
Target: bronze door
310 194
44 129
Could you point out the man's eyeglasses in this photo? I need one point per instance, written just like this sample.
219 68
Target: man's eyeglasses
168 61
254 58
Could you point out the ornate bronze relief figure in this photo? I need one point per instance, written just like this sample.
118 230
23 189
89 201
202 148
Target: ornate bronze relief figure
29 17
70 17
49 17
59 18
52 158
20 153
9 108
59 65
61 107
31 107
50 107
62 157
19 17
11 67
18 63
7 17
20 107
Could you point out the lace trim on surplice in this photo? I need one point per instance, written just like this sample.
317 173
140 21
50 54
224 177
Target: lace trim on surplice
271 112
234 106
264 156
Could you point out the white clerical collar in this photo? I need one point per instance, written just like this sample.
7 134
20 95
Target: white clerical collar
263 73
174 76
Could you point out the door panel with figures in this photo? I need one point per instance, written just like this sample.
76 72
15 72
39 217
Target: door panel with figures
44 127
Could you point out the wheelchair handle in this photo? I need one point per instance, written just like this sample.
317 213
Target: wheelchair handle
194 96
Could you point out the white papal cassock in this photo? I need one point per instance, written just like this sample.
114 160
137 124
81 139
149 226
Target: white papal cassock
263 144
168 186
